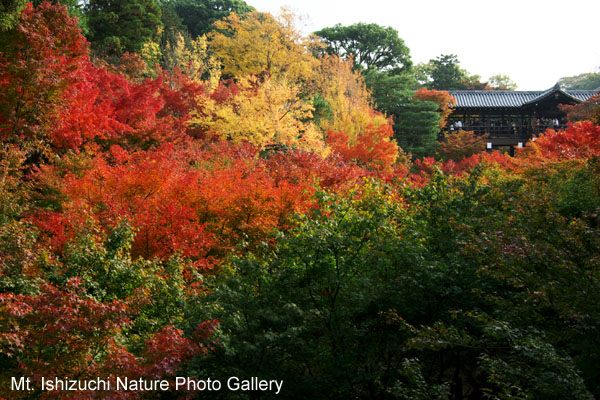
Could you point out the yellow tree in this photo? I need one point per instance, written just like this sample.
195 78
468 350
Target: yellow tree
262 113
193 60
355 130
257 42
348 98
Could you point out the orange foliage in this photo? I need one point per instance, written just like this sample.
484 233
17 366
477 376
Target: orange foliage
106 108
578 141
588 110
300 166
461 144
428 166
231 197
372 148
442 98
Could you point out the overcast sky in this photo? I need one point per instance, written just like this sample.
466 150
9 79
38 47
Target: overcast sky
534 42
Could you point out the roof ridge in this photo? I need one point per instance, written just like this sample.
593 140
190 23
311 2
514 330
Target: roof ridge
496 91
512 99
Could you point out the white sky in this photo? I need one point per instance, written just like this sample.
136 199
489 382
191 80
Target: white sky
535 42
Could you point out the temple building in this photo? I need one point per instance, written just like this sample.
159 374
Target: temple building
512 117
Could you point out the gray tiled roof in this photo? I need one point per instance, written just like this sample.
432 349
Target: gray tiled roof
511 99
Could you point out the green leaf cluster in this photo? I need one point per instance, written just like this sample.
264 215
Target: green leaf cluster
485 285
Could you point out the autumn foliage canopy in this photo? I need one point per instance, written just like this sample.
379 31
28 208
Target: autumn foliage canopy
226 211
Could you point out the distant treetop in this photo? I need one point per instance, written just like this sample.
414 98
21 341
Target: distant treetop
445 73
370 45
199 15
587 81
116 27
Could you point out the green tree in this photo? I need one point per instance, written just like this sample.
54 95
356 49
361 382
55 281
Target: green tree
199 15
390 90
587 81
445 73
473 82
120 26
416 123
393 94
315 312
416 127
372 297
502 82
172 26
109 273
10 12
370 46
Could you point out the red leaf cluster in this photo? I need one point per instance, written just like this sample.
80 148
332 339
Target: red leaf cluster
51 346
579 141
372 149
39 62
197 202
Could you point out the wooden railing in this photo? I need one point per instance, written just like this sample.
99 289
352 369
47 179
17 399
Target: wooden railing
508 131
